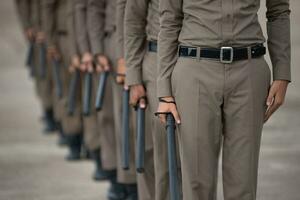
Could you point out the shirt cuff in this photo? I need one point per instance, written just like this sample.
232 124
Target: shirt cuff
282 72
133 77
164 88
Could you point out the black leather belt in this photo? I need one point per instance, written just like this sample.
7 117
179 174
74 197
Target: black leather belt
152 46
224 54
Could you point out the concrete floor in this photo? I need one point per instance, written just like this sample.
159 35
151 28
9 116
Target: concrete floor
32 167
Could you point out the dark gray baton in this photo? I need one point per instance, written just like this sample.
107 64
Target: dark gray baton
72 94
101 90
42 60
140 143
87 93
173 179
57 78
29 59
125 129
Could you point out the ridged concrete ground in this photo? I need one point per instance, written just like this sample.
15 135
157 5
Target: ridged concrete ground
32 167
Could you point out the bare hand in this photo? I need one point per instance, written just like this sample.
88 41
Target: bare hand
40 37
168 108
276 97
30 34
87 62
121 69
53 53
102 64
137 92
75 63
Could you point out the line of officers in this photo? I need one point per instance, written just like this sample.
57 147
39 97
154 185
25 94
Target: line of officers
76 56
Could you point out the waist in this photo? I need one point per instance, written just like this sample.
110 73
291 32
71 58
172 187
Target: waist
224 54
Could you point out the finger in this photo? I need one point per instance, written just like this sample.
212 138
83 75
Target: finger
142 103
271 111
133 100
176 115
162 118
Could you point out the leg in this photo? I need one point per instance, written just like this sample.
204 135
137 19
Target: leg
247 84
198 89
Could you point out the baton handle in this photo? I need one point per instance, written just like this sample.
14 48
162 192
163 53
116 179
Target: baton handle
87 94
73 91
29 59
42 60
140 150
57 79
101 90
125 130
172 158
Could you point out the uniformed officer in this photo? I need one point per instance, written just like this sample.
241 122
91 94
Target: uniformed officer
61 46
141 32
91 42
30 12
102 28
211 63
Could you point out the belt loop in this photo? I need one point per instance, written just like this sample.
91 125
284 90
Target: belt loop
198 56
249 49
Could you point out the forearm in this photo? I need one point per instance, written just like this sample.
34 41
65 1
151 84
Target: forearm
171 23
135 39
95 25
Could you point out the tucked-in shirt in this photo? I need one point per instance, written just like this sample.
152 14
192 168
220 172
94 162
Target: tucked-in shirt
217 23
141 24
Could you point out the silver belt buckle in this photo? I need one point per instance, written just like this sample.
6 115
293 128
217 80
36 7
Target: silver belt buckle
222 55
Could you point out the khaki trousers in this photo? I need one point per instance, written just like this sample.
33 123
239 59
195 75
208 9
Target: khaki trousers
70 124
128 176
158 131
43 85
218 100
92 136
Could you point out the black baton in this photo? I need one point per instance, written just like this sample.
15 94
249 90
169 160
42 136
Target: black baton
173 179
42 60
73 91
140 144
87 93
125 129
101 90
29 59
57 79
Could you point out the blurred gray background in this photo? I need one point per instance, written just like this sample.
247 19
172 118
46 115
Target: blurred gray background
32 167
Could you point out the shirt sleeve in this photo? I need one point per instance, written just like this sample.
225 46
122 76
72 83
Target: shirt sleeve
23 8
279 40
71 29
48 18
120 27
170 26
135 39
80 26
95 25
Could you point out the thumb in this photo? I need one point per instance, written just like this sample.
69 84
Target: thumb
270 97
176 115
142 103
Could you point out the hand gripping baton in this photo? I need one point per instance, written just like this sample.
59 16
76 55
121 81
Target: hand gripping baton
140 144
73 91
101 90
172 158
57 79
125 129
87 93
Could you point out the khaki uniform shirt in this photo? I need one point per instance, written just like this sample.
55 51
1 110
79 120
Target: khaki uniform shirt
217 23
141 24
